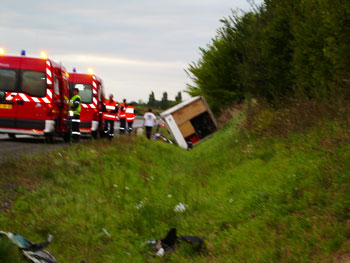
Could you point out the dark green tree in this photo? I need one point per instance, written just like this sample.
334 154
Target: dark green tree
151 100
164 103
178 97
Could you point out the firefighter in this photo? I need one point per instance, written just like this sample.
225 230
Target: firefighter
110 116
74 113
122 116
130 116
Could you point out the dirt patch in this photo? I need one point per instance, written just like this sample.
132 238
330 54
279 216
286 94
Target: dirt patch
343 258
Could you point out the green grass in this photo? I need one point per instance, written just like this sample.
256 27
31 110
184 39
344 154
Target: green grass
253 199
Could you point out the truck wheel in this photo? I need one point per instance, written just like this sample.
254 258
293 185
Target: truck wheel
94 135
66 136
12 136
49 138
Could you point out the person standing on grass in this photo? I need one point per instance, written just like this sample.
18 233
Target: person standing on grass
149 120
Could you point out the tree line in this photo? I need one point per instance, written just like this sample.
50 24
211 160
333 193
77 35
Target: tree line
162 104
281 49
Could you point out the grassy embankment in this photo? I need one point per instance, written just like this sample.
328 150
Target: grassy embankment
253 199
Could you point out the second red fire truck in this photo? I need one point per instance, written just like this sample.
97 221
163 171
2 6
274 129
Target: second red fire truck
92 97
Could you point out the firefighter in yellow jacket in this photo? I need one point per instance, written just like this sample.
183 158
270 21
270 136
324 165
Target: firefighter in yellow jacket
74 113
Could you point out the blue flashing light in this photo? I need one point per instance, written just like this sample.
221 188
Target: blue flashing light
74 70
23 52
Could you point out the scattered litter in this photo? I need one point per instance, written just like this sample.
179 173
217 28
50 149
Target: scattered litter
161 137
139 205
160 252
170 196
167 245
106 232
231 200
115 185
180 207
126 188
35 253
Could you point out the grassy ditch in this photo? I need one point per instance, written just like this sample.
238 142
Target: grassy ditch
254 199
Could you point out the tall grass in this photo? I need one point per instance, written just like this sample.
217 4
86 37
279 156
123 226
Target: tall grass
254 199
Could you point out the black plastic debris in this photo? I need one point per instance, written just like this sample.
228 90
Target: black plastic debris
168 244
32 252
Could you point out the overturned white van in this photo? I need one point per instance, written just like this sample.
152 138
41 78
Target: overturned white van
190 121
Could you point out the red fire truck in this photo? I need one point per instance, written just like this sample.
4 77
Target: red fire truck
92 96
36 92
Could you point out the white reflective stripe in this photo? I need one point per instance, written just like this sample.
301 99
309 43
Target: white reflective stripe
46 100
109 115
48 72
130 119
24 97
77 133
92 106
36 99
84 105
95 100
49 93
94 91
94 84
129 110
49 81
110 107
48 63
93 77
121 128
75 120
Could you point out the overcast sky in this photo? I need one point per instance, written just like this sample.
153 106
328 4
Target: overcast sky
135 46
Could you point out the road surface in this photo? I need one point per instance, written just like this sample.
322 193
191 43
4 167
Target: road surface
26 145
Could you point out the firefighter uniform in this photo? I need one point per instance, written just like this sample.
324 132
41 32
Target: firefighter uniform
109 117
130 116
122 116
75 108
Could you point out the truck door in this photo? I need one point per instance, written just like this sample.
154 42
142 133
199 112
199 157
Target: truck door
61 90
8 107
86 114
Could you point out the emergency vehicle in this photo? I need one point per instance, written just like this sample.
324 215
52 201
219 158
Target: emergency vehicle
92 97
36 97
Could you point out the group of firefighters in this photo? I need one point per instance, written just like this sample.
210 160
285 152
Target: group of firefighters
112 111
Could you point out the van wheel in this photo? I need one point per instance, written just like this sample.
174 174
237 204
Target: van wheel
49 138
12 136
94 135
66 136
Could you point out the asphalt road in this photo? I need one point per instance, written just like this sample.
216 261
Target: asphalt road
27 145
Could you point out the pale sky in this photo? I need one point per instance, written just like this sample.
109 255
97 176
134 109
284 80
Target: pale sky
135 46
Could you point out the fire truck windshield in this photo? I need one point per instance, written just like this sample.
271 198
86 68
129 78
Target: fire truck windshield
7 79
85 92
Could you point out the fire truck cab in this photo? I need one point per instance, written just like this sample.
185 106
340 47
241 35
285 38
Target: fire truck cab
92 96
36 97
